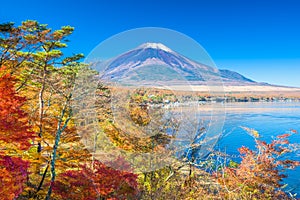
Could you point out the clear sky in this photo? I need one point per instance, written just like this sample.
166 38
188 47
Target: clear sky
257 38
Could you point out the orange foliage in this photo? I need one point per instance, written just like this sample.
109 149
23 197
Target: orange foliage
260 172
13 124
14 136
98 180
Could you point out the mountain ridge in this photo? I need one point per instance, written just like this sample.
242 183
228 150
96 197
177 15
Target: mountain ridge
154 62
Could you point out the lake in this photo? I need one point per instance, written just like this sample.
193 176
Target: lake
269 119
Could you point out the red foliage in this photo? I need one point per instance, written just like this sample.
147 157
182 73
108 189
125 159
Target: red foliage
94 182
13 174
260 172
294 131
13 124
13 131
283 136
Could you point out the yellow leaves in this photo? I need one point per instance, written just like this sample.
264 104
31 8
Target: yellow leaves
30 37
252 132
29 24
255 133
28 190
139 116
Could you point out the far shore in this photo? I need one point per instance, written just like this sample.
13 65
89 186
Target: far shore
245 88
218 108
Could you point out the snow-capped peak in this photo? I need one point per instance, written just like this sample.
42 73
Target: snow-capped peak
155 46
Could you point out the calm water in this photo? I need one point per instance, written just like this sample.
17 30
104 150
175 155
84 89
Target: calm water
269 119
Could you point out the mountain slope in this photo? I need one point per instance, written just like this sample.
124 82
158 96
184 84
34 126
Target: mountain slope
231 75
154 62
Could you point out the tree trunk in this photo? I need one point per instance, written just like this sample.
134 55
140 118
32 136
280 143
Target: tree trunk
57 139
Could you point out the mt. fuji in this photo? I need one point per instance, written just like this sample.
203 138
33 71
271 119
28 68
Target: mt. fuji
155 62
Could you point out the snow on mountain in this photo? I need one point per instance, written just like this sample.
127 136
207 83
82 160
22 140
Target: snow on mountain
154 46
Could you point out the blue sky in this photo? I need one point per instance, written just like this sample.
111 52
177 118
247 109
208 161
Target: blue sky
260 39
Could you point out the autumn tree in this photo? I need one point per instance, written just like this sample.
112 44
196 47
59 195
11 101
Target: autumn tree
97 181
15 138
260 173
32 52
